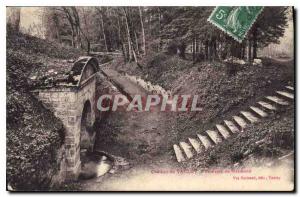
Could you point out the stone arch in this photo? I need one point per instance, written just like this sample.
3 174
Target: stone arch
74 104
87 134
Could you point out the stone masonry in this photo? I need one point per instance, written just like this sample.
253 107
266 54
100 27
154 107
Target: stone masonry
67 103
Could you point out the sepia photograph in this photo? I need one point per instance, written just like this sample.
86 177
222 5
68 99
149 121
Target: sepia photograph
150 98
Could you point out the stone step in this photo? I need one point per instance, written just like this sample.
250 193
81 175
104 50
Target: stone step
195 144
231 126
214 136
240 121
205 141
178 153
249 116
267 105
259 112
187 149
285 94
277 100
290 88
224 132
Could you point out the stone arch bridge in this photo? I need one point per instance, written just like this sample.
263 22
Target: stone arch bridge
72 100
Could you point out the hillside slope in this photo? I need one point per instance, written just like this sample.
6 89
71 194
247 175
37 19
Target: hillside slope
34 134
220 93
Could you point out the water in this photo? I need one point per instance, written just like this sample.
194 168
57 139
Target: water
94 164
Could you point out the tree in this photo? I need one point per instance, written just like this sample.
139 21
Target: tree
102 26
160 28
189 26
270 26
143 30
13 18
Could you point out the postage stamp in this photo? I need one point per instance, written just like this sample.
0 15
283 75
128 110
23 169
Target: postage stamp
235 20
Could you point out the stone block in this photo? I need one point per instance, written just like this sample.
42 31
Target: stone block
64 99
72 106
55 104
45 100
54 99
69 140
186 149
195 144
178 153
62 112
70 162
71 120
70 131
54 95
72 151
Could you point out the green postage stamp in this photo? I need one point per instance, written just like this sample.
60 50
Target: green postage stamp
235 20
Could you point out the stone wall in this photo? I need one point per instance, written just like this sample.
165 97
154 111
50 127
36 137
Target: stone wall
67 104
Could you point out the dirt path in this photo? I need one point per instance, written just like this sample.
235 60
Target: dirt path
149 135
152 127
122 82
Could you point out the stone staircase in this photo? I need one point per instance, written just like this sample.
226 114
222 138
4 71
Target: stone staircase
201 142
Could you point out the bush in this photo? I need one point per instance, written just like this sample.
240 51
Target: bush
172 48
34 135
32 143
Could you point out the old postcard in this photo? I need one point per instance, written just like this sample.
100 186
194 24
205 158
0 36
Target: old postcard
137 98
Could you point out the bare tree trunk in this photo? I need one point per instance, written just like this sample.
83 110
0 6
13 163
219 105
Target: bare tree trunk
159 30
119 32
128 34
13 18
209 51
137 43
73 37
102 28
79 30
214 49
56 22
150 20
206 50
143 31
249 57
73 28
125 53
193 49
254 54
243 51
87 32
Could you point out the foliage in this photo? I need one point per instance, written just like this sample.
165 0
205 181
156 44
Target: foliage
135 30
34 134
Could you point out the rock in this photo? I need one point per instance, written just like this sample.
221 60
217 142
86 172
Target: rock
224 132
187 149
112 171
204 140
258 111
33 77
249 116
178 153
277 100
196 145
216 138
